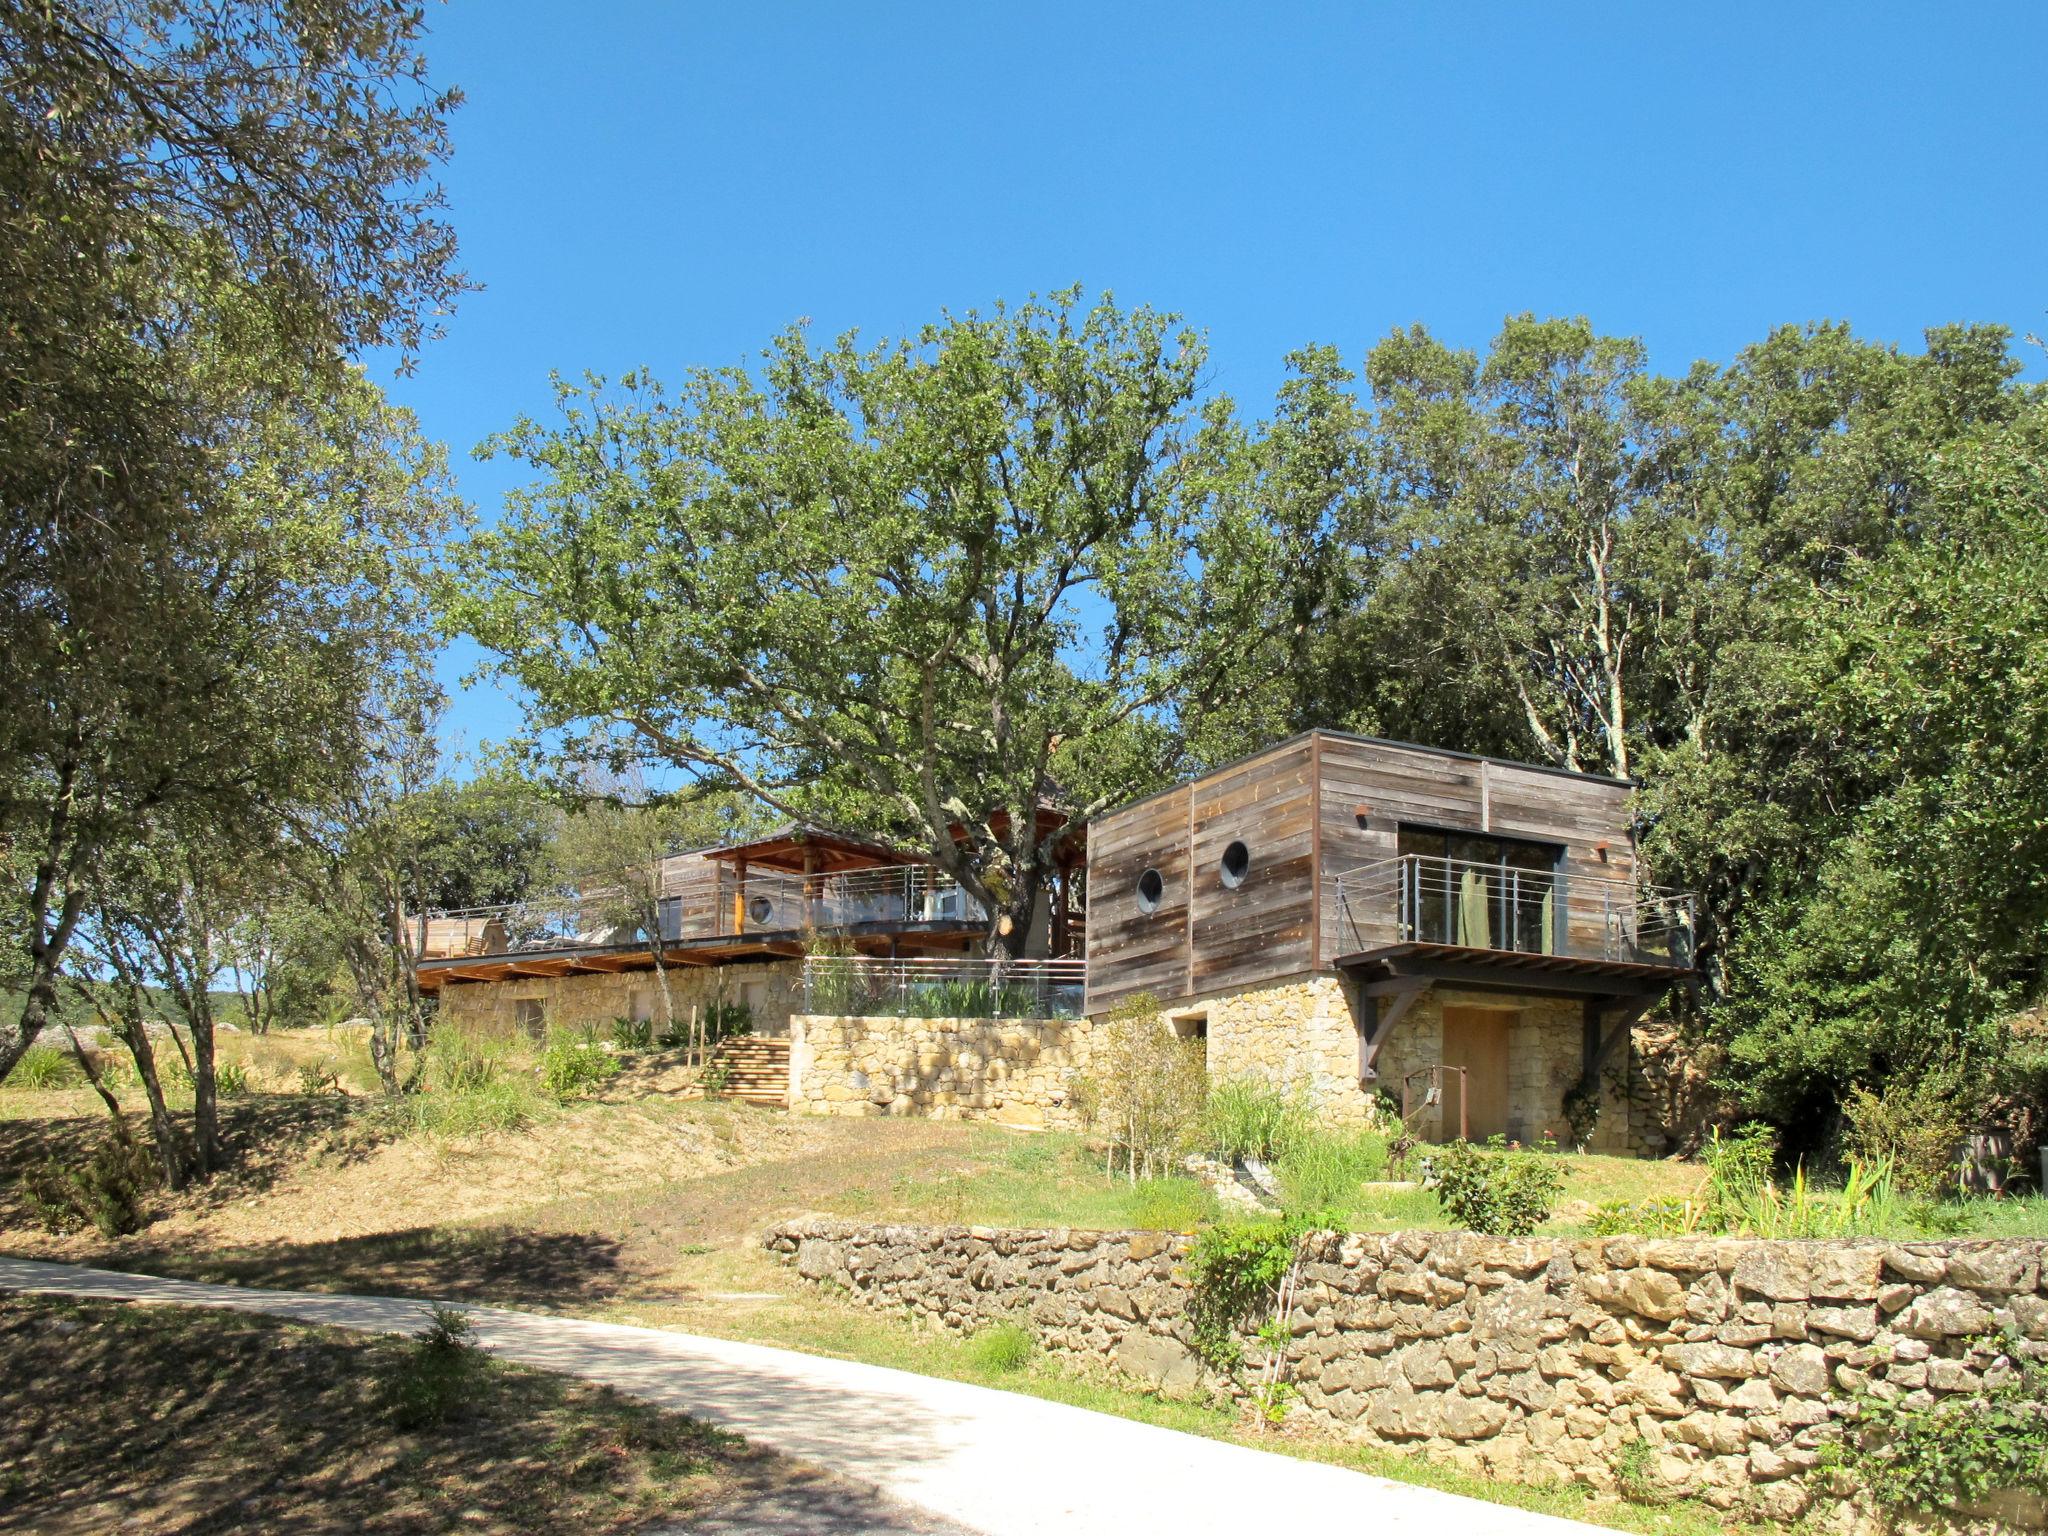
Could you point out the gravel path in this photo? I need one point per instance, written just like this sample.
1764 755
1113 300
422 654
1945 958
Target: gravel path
955 1456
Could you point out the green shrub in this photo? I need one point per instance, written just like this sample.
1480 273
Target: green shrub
1146 1092
103 1191
1957 1449
572 1065
434 1376
633 1034
1235 1272
1916 1129
1323 1169
318 1078
1506 1194
230 1079
1003 1349
43 1067
1250 1117
726 1021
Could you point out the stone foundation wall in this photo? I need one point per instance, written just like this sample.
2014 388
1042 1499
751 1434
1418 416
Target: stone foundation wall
1015 1071
1305 1032
1539 1358
772 989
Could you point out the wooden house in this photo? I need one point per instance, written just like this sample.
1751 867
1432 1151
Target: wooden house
1355 918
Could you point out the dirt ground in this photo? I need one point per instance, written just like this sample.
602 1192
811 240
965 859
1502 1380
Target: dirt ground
169 1420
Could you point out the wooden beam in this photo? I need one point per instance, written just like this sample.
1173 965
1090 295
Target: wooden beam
1507 978
1385 1004
1601 1037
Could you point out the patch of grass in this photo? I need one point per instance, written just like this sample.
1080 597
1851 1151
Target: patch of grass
116 1415
1004 1349
44 1067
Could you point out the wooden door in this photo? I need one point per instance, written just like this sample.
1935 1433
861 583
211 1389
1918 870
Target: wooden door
1477 1040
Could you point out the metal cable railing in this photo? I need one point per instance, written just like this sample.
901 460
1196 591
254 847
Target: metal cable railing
948 989
710 902
1421 898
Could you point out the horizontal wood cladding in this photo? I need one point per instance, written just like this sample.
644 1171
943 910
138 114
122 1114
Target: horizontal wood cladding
1206 935
1296 808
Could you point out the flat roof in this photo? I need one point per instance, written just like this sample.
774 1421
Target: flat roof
1370 741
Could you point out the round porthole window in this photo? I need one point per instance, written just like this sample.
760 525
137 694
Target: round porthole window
1235 865
760 909
1151 887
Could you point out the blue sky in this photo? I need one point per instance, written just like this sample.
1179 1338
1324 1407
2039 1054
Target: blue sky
670 184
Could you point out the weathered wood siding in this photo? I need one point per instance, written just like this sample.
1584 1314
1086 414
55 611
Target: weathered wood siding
1206 936
1308 810
1393 784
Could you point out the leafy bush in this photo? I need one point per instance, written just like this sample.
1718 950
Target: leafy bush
633 1034
1507 1194
230 1079
1956 1449
318 1077
1250 1117
1323 1169
1146 1095
1004 1349
43 1067
1234 1272
1740 1163
1651 1218
572 1065
1914 1128
104 1191
433 1378
725 1021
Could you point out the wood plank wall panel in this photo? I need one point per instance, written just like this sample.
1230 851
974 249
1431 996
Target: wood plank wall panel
1205 936
1130 951
1413 784
1295 808
1261 930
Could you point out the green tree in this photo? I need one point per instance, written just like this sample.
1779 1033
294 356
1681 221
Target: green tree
1880 768
207 210
927 586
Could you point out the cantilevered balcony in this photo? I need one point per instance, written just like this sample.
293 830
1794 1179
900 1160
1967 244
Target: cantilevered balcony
1462 920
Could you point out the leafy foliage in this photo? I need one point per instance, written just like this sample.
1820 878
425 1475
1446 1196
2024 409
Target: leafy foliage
1935 1455
572 1065
1014 534
103 1190
1145 1091
433 1378
1505 1193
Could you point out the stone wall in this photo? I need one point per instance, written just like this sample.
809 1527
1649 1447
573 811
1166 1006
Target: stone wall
1304 1032
1532 1359
1016 1071
772 989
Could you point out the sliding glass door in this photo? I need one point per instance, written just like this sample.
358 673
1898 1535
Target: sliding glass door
1480 892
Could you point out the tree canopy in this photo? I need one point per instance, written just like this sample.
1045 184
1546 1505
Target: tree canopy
925 587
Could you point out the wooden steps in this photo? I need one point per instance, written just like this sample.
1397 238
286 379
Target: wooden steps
756 1070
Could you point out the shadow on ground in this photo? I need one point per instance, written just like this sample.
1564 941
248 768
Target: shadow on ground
501 1264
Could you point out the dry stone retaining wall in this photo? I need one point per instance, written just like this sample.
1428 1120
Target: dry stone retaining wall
1015 1071
1528 1358
770 989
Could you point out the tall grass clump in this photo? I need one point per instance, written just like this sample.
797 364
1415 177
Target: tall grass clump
475 1082
1250 1117
1004 1349
44 1067
1321 1170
